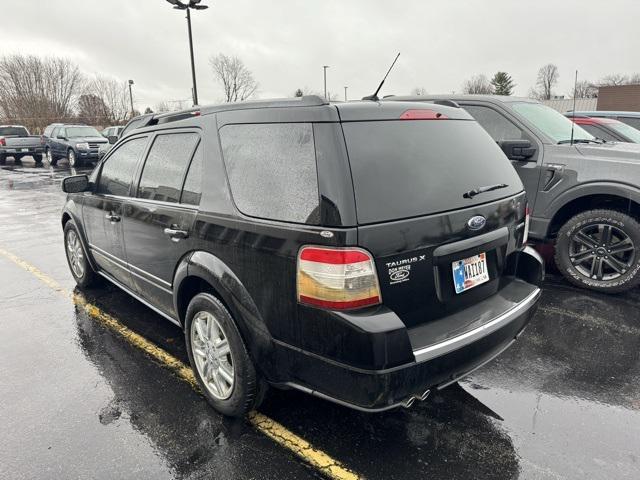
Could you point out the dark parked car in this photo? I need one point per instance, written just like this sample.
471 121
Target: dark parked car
607 129
16 142
364 253
77 143
584 195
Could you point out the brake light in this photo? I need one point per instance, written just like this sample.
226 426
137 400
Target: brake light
527 215
337 278
423 115
3 142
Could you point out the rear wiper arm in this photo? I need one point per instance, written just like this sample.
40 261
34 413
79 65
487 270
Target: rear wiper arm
488 188
582 140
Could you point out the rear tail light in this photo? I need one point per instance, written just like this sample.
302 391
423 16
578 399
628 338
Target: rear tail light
3 142
422 115
527 215
337 278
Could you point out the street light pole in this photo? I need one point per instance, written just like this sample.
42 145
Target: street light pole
131 97
324 67
193 66
345 93
195 5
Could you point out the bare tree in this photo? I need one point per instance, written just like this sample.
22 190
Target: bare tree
36 91
478 84
634 79
114 106
419 91
236 79
585 89
547 79
614 79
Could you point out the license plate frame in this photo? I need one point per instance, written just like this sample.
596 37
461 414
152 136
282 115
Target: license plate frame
470 272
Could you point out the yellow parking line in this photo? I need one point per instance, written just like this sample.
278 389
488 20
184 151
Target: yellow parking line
272 429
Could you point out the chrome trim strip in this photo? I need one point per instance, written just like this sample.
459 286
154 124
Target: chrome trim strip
138 298
109 256
160 287
442 348
151 276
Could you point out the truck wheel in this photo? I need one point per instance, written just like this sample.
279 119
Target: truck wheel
600 250
38 158
3 159
219 358
77 259
73 159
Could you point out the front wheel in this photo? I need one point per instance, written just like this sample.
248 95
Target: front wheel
600 250
79 265
219 358
73 159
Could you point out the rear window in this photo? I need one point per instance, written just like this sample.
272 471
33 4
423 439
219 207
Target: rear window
13 132
272 170
405 169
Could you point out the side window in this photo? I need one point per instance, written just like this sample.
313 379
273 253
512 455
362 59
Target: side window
272 170
118 170
599 133
496 124
47 132
192 190
633 121
54 133
62 132
166 165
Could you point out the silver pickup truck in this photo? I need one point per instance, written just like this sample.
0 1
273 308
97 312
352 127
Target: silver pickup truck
16 142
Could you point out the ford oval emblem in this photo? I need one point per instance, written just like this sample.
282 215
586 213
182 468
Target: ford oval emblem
477 222
399 275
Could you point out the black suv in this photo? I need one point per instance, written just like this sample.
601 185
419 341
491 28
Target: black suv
584 193
352 251
77 143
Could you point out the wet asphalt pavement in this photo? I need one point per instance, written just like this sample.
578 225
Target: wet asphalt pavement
78 401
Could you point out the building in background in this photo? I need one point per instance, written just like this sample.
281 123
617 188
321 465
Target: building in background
620 98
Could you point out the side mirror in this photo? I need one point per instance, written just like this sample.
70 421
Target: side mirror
75 184
520 150
112 139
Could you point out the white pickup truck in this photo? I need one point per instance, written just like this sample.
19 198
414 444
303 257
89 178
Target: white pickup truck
16 142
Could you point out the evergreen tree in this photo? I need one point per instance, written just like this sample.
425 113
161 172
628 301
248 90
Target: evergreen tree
502 83
299 93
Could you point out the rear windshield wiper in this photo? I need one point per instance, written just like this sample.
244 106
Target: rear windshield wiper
488 188
581 140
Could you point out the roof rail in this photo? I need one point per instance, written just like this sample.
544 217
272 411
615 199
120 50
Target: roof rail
304 101
447 103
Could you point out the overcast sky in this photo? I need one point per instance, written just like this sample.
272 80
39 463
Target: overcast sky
286 42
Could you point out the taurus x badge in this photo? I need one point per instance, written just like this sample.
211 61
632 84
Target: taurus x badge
476 223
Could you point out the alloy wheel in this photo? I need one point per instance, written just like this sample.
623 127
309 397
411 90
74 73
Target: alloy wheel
72 158
75 254
601 251
49 157
212 355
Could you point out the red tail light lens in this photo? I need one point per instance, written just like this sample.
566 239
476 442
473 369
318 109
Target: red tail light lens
3 142
337 278
423 115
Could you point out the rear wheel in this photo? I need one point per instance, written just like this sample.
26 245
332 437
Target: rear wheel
51 159
600 250
3 158
38 158
219 358
77 257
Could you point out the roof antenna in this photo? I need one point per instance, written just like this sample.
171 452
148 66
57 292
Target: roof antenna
374 97
575 90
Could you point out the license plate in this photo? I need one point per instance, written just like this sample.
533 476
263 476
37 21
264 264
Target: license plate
25 149
470 272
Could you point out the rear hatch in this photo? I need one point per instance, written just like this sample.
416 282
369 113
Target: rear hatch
413 168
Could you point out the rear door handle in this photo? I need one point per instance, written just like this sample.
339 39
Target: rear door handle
112 217
175 233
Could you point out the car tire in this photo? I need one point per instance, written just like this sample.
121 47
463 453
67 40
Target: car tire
38 158
207 350
51 158
600 250
79 265
73 158
3 159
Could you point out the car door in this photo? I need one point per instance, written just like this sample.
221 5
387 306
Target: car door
60 149
501 128
53 140
158 222
102 211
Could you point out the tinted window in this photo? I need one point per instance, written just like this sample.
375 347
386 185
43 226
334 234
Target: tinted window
272 170
627 130
406 168
165 167
47 131
118 169
192 190
599 133
498 126
550 122
55 132
634 122
82 132
13 131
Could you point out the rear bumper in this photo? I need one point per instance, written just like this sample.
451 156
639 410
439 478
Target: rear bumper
21 151
444 351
